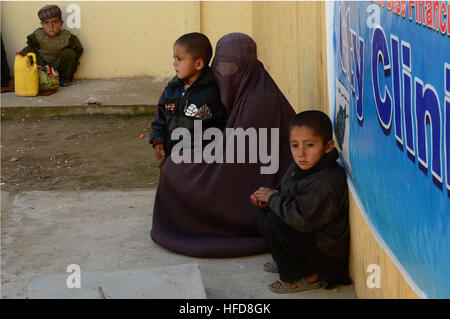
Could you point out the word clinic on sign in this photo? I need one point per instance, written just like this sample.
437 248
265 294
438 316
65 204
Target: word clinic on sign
410 97
426 100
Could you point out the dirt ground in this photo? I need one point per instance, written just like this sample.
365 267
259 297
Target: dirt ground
77 153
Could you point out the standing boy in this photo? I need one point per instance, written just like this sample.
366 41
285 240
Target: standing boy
305 220
191 95
55 46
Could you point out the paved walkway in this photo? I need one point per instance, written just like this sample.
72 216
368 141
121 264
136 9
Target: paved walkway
107 233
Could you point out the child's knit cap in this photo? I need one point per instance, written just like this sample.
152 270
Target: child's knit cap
49 11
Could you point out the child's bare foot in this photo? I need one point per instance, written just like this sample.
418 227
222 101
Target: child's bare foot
312 279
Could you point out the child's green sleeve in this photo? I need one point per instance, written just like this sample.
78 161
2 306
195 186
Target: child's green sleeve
32 44
75 45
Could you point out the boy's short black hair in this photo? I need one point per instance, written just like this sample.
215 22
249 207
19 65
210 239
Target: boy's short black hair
198 45
316 120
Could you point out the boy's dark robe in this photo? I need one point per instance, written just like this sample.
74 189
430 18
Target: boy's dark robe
316 202
306 224
204 210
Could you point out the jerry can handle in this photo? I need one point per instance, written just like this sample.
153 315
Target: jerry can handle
32 57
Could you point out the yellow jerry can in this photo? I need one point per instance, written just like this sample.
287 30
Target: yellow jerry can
26 75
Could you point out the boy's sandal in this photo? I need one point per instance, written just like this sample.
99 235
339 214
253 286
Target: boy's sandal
47 92
6 89
271 267
302 285
65 82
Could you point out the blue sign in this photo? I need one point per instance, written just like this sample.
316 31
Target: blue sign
392 124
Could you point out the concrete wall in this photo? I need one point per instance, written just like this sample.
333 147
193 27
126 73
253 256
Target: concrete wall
364 251
219 18
290 37
129 39
120 40
135 39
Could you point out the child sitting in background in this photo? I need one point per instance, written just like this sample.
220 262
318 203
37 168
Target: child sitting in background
54 46
305 220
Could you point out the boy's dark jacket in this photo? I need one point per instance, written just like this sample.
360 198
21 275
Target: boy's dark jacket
173 104
316 201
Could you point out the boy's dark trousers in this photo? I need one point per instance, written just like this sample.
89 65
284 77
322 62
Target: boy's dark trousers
296 253
66 64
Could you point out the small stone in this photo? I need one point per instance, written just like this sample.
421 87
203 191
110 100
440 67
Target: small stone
93 100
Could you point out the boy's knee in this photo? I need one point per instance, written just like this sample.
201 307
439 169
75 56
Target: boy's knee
271 223
68 53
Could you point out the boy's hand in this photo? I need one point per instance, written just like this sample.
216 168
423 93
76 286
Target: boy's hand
159 151
257 202
263 194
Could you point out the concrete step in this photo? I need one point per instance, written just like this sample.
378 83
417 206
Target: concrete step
114 96
170 282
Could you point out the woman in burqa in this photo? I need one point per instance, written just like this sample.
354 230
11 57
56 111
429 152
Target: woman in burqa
203 210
